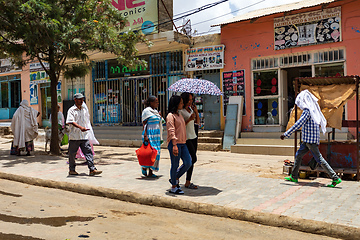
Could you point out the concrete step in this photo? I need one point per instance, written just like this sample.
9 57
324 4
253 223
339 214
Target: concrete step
211 133
263 149
209 146
276 135
217 140
266 141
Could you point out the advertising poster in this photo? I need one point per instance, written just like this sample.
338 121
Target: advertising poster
141 15
233 85
58 91
39 77
204 58
34 98
317 27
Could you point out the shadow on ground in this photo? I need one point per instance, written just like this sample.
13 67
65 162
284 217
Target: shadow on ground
201 191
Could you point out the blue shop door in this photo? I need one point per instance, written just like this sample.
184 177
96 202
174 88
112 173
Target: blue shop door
15 91
211 105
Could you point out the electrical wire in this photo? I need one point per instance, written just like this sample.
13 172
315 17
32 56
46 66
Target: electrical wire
188 13
230 12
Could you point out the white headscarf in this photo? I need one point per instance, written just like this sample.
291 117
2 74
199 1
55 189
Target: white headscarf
148 112
24 124
306 100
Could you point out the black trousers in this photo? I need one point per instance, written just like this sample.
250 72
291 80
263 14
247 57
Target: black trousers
192 147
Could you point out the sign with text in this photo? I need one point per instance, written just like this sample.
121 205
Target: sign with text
34 99
141 15
317 27
233 85
116 70
39 77
204 58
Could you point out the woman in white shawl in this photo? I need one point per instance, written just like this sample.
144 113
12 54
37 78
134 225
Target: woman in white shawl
92 138
152 122
25 129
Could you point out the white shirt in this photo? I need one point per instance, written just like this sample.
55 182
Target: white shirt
190 128
78 116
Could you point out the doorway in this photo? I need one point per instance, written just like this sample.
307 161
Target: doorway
289 91
211 104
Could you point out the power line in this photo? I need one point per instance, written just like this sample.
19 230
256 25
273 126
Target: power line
188 13
229 12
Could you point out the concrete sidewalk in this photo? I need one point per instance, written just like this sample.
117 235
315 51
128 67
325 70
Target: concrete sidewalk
226 189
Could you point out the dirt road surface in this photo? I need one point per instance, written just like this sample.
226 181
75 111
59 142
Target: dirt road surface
30 212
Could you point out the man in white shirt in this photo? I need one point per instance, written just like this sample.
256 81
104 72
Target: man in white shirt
77 118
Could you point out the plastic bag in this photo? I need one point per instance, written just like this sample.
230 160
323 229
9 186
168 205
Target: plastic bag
146 155
65 140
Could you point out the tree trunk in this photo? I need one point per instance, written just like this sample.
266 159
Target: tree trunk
54 142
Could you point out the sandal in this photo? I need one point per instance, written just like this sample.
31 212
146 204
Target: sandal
192 186
178 191
144 172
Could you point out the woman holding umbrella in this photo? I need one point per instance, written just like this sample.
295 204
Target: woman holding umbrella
191 116
176 140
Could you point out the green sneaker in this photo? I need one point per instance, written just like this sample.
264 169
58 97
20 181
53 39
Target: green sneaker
291 179
334 183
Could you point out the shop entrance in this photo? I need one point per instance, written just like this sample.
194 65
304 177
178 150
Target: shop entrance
135 92
211 105
10 95
289 75
45 103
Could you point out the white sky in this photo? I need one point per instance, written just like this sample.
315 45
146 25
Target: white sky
181 6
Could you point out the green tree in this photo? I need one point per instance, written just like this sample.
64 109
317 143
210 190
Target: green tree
52 31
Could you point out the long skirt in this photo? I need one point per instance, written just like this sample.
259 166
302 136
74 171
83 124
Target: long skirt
15 150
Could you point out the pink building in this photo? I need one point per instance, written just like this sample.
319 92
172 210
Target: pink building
271 47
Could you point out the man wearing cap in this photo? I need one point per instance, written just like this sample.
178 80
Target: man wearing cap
78 119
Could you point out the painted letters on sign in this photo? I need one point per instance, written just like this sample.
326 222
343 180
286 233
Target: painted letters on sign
204 58
233 85
323 26
141 15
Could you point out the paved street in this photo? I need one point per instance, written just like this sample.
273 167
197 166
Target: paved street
250 182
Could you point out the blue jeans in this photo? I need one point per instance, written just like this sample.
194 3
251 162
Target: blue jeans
314 149
176 171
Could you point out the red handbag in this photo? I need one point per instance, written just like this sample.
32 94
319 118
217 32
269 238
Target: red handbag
146 155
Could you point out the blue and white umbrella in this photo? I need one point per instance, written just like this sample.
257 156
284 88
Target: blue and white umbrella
196 86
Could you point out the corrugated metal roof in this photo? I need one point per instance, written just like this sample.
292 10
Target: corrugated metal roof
328 80
276 9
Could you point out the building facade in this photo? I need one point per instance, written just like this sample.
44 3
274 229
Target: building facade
272 47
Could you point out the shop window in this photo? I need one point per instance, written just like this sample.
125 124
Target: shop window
4 95
266 111
329 56
329 70
265 83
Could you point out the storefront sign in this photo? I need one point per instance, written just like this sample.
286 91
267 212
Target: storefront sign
317 27
38 66
116 70
34 99
204 58
141 15
7 66
233 85
39 77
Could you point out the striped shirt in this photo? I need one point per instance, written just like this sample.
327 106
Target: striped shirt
310 130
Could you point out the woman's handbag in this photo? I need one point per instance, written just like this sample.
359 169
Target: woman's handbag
146 155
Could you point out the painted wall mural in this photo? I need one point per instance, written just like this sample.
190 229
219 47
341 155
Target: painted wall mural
317 27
